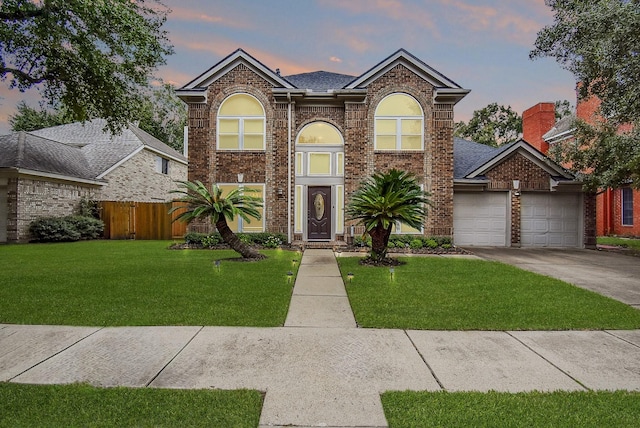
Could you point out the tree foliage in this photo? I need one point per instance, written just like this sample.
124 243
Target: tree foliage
492 125
30 119
563 109
599 42
201 203
87 56
384 199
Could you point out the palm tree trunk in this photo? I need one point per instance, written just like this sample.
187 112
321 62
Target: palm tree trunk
234 242
379 242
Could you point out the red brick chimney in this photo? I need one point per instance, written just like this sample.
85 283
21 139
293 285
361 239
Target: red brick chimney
537 121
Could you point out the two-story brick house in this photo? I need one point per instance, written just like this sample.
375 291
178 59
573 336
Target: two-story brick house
307 141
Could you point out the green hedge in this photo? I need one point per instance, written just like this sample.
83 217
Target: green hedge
65 229
265 239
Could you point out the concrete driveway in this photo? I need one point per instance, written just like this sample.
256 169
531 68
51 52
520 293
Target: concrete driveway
611 274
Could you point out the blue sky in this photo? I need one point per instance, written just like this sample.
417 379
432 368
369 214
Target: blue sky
483 45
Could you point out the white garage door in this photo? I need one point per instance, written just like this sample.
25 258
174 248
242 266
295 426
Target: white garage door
480 219
551 220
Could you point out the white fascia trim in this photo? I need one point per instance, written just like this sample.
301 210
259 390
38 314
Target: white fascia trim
190 94
120 162
528 152
59 177
403 57
562 136
165 155
221 68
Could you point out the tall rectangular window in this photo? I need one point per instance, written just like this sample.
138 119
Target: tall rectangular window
627 206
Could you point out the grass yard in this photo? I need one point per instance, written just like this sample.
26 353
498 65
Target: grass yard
436 293
83 405
530 410
130 283
631 243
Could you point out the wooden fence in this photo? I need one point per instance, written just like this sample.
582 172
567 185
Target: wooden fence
140 220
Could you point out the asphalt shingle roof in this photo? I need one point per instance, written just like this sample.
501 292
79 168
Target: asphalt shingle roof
320 81
563 125
77 150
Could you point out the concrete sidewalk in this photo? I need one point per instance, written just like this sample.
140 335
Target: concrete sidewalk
320 370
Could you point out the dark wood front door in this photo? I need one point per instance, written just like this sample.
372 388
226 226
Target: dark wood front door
319 213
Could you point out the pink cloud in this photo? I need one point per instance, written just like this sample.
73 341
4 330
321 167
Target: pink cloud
184 14
335 59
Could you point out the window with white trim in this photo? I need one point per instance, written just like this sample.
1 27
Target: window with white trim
162 165
627 206
238 224
399 124
241 124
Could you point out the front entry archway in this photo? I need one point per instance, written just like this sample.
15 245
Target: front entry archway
319 213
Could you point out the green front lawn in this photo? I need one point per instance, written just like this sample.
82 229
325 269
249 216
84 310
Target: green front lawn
631 243
84 406
436 293
120 283
527 410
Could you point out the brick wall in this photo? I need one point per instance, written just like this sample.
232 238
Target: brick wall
34 198
138 180
537 121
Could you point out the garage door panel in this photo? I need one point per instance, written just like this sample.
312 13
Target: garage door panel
550 220
480 219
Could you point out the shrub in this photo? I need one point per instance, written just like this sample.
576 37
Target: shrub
211 240
272 241
88 227
443 240
65 229
431 243
416 244
194 238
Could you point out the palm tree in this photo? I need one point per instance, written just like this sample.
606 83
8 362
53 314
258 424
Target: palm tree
384 199
200 203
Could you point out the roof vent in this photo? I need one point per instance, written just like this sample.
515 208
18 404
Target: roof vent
278 71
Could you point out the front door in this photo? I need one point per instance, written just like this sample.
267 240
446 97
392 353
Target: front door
319 213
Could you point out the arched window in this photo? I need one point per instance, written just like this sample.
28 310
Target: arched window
399 124
320 133
241 124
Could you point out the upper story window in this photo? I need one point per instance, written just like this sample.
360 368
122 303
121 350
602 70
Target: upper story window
320 133
399 124
241 124
319 151
162 165
627 206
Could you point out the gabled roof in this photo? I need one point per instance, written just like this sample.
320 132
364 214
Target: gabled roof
446 89
323 84
78 151
197 87
473 160
25 151
562 129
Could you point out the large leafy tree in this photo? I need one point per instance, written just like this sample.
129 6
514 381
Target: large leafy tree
599 42
384 199
202 203
161 114
492 125
87 56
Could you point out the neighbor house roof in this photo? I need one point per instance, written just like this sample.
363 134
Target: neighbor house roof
562 129
79 150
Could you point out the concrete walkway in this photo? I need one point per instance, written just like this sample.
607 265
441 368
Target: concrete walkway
320 370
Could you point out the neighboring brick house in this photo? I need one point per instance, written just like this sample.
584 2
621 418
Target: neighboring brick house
307 141
47 172
617 210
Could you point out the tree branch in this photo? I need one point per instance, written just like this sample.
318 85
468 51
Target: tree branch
22 76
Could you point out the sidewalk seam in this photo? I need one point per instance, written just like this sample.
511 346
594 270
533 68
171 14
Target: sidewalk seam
174 357
549 362
433 373
611 332
57 353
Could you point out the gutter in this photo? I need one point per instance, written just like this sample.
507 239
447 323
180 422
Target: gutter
289 168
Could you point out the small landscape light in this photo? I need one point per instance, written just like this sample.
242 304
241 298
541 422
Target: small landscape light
216 264
294 261
391 271
350 276
289 276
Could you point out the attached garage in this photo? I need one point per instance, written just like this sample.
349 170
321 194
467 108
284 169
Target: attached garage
480 219
551 220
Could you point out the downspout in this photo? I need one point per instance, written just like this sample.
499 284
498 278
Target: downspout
289 168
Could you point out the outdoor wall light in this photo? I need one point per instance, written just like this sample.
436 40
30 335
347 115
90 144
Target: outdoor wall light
240 177
350 277
516 187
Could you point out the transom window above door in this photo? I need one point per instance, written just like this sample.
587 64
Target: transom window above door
399 124
241 124
319 151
